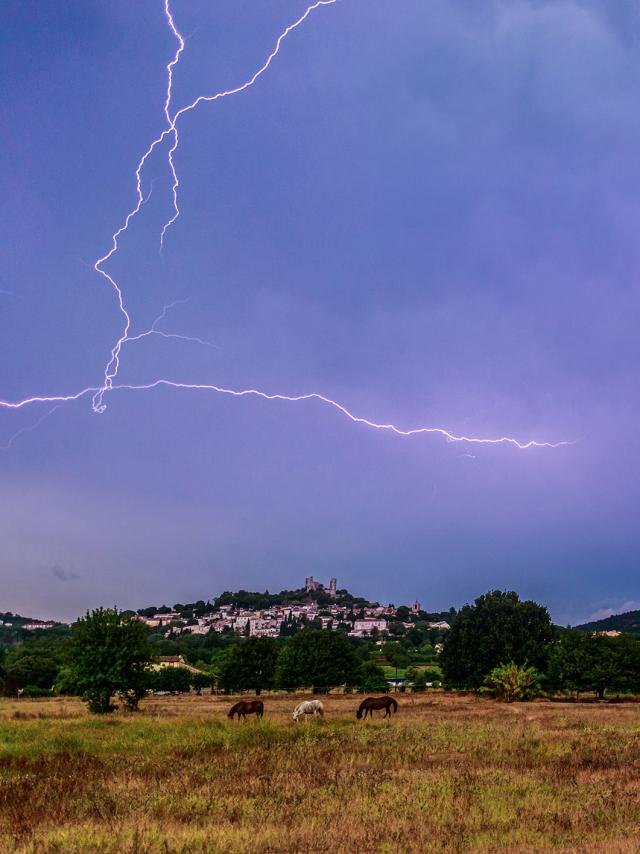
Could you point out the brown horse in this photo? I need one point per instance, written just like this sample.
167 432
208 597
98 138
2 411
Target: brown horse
367 706
247 707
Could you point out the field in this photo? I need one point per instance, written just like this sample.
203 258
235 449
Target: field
450 773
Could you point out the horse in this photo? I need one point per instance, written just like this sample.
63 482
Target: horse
367 706
246 707
308 707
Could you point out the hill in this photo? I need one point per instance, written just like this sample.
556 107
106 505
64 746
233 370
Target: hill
627 622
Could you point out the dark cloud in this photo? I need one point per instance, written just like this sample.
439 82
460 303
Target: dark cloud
63 574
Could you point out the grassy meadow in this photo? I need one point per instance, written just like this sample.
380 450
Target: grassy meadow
449 773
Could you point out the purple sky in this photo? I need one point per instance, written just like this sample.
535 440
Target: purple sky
428 212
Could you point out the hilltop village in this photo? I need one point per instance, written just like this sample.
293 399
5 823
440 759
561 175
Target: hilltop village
273 615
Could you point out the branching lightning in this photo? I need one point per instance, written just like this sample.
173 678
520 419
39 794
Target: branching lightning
153 330
170 131
29 428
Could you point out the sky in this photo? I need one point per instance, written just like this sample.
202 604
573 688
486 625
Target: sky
427 212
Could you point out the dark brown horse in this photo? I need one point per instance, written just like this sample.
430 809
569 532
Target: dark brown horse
371 703
247 707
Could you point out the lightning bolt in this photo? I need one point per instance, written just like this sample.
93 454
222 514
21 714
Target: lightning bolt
286 398
113 364
112 367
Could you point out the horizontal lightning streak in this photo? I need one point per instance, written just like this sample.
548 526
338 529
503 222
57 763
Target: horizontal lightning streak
297 398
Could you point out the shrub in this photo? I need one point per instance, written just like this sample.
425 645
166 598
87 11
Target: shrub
35 692
511 682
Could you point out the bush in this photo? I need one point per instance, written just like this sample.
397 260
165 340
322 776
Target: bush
511 682
35 692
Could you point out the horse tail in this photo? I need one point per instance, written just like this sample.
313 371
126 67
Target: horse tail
395 704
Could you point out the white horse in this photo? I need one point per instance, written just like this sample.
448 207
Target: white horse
308 707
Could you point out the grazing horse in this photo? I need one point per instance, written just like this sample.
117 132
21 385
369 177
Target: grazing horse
247 707
367 706
308 707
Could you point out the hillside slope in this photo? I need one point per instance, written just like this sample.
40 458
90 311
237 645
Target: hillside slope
627 622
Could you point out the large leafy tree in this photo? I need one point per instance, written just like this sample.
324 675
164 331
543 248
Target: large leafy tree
108 654
589 662
498 628
37 671
250 665
372 679
627 650
32 664
318 659
175 680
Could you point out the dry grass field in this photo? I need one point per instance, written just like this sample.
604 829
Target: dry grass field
449 773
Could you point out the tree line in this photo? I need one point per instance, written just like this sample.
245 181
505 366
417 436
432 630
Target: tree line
499 645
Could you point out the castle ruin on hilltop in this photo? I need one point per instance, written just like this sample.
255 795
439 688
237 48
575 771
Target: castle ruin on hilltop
310 584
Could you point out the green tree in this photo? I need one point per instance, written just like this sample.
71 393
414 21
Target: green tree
22 671
318 659
109 654
432 675
32 664
372 679
250 665
200 681
511 682
175 680
396 655
415 636
3 655
498 627
588 662
421 678
628 662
